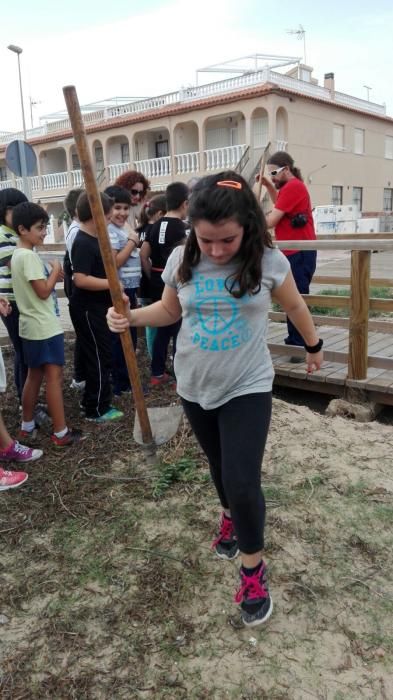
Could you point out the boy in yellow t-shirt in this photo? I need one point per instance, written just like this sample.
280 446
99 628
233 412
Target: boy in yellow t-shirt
39 325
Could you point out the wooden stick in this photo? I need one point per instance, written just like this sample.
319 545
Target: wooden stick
261 172
93 194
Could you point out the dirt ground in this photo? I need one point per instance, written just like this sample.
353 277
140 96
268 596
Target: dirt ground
109 589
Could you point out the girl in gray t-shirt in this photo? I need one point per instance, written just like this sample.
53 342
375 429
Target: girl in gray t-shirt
221 284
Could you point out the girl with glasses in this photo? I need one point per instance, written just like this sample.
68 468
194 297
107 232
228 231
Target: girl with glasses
137 185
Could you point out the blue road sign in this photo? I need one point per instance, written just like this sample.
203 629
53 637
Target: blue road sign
21 159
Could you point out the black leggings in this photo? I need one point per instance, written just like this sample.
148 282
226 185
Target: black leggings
233 437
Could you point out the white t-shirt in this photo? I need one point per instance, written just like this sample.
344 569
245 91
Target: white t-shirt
221 349
71 235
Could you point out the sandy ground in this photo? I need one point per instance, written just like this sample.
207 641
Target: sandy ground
109 589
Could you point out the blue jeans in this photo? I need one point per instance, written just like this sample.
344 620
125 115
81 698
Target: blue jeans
11 323
303 266
160 347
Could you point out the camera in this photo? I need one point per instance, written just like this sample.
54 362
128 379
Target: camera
299 220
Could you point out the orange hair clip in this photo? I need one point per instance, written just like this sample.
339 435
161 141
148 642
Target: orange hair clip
230 183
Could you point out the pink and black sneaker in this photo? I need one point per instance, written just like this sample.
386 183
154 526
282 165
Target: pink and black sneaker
225 545
253 597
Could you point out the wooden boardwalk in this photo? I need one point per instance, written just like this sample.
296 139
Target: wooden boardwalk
332 377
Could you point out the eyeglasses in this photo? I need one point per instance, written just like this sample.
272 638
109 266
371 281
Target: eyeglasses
273 173
135 193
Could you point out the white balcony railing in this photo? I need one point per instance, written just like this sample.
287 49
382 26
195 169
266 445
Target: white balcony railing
226 157
76 178
4 184
154 167
117 169
204 91
35 183
187 162
54 181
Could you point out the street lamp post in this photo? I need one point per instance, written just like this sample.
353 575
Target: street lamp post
18 51
21 145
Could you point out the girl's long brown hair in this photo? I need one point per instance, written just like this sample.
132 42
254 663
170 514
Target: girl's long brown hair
215 202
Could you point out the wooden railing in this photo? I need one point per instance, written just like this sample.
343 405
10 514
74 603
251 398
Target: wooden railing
358 302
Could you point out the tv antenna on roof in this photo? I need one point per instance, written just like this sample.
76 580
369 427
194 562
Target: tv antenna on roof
33 103
301 34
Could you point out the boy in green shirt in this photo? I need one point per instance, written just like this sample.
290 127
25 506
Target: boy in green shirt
39 324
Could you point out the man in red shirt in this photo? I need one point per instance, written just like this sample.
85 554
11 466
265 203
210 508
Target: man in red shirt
291 218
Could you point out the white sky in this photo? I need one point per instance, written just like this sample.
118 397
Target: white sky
130 48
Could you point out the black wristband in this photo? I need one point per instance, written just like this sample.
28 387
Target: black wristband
314 348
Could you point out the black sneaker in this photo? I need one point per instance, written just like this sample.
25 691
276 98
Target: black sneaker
225 545
70 438
254 598
295 360
28 437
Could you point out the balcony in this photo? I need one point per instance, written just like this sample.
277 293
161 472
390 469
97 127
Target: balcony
225 158
158 170
154 167
4 184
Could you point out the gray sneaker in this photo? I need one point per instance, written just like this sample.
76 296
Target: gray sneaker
78 386
41 417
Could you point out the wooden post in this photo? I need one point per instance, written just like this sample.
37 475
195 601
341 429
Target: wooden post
358 323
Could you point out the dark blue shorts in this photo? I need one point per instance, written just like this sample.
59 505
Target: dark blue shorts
44 352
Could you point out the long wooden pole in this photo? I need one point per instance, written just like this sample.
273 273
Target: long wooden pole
261 172
93 194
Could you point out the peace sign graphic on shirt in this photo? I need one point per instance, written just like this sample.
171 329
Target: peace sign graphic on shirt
216 315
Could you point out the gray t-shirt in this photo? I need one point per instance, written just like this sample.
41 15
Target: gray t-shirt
221 347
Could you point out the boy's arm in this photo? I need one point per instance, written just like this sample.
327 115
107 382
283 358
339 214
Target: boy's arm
145 253
92 284
44 287
5 307
121 256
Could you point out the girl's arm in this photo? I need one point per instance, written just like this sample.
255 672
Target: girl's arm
145 253
121 256
162 313
296 308
92 284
